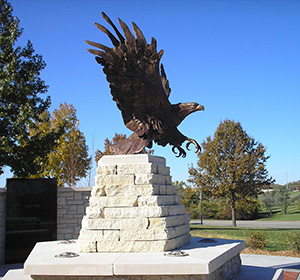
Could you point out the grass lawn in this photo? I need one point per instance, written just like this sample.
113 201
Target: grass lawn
277 238
279 216
293 211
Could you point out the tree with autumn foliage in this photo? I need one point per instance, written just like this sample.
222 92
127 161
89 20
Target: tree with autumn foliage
118 137
232 165
69 161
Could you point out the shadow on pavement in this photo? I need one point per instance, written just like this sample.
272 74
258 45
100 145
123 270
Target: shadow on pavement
255 272
7 267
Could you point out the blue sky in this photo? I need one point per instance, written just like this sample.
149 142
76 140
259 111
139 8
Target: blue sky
240 59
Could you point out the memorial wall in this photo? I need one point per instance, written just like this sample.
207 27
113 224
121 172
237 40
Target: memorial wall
2 224
71 204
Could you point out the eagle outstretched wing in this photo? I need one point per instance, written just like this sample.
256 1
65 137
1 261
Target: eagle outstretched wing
132 69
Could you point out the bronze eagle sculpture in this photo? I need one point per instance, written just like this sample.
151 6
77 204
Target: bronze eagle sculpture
141 90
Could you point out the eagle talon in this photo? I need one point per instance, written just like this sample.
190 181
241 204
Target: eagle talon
180 150
192 141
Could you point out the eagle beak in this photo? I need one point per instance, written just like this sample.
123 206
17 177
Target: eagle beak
200 108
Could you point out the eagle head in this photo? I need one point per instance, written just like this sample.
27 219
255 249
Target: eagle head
182 110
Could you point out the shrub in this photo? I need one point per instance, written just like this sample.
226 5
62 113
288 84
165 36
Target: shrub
256 240
247 209
293 241
210 208
224 212
193 210
220 209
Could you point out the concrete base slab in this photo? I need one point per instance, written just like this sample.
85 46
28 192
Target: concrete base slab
16 274
203 259
43 261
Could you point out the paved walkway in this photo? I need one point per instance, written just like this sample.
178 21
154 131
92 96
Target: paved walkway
264 267
250 224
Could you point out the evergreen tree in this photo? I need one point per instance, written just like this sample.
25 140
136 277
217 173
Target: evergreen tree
20 102
231 166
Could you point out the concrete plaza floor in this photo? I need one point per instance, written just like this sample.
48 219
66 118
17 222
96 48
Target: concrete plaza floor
264 267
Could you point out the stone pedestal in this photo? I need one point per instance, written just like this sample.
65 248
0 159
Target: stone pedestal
133 208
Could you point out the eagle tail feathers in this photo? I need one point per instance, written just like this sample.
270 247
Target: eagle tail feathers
131 145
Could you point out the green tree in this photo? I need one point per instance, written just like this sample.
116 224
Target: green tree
294 186
189 197
20 102
231 166
118 137
180 186
268 200
283 197
69 161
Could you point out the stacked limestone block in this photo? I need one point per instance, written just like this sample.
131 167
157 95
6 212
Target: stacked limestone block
133 208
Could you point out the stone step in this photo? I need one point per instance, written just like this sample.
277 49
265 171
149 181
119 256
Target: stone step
148 212
135 223
132 179
138 190
127 246
117 223
170 221
131 235
133 201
